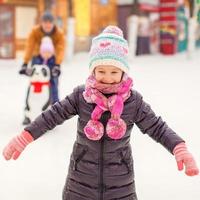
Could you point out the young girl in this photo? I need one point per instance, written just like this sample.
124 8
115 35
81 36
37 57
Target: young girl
101 164
46 56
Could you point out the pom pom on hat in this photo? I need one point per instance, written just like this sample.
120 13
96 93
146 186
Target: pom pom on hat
114 30
47 45
109 48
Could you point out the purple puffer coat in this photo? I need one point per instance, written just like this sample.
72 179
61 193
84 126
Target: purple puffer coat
103 170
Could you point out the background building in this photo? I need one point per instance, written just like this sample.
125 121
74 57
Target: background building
83 19
17 17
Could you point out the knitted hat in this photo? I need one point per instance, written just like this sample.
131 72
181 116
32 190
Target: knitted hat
47 45
47 17
109 48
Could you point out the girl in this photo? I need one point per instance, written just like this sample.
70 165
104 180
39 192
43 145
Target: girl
47 57
101 163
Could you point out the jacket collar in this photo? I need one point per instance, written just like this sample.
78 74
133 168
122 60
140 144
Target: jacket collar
50 33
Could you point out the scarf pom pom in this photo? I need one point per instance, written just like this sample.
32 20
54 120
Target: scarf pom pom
94 130
116 128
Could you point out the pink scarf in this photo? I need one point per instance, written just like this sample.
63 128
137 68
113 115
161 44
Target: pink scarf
94 93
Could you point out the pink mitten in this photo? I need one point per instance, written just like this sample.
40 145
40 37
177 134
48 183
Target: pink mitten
184 157
15 147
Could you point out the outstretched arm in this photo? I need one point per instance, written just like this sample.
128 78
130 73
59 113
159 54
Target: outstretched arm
56 115
60 48
157 129
154 126
30 43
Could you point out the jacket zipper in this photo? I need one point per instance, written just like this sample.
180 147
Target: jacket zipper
102 188
101 170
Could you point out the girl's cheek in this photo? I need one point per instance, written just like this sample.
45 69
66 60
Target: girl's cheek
97 78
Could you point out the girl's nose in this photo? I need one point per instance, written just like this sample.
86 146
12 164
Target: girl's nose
107 80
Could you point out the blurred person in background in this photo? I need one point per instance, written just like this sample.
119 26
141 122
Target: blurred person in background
47 56
143 39
47 27
39 78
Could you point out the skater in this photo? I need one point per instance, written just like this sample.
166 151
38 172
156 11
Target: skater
143 39
46 58
47 27
101 163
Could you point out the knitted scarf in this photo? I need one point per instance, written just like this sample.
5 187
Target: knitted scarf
94 93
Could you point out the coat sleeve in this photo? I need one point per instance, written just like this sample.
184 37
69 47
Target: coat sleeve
55 115
30 43
154 126
60 47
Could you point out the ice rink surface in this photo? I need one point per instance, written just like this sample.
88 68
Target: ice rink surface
171 84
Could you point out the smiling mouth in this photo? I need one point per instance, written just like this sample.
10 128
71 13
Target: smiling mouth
107 83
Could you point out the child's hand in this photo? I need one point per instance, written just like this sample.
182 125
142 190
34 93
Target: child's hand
15 147
23 69
184 158
56 71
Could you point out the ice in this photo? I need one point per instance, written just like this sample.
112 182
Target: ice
171 84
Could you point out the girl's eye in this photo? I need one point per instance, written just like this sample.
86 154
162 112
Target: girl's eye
114 72
101 72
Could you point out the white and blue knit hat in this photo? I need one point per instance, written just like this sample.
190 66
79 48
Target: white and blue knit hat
109 48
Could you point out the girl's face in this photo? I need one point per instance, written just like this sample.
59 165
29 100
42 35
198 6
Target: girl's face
108 74
46 55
